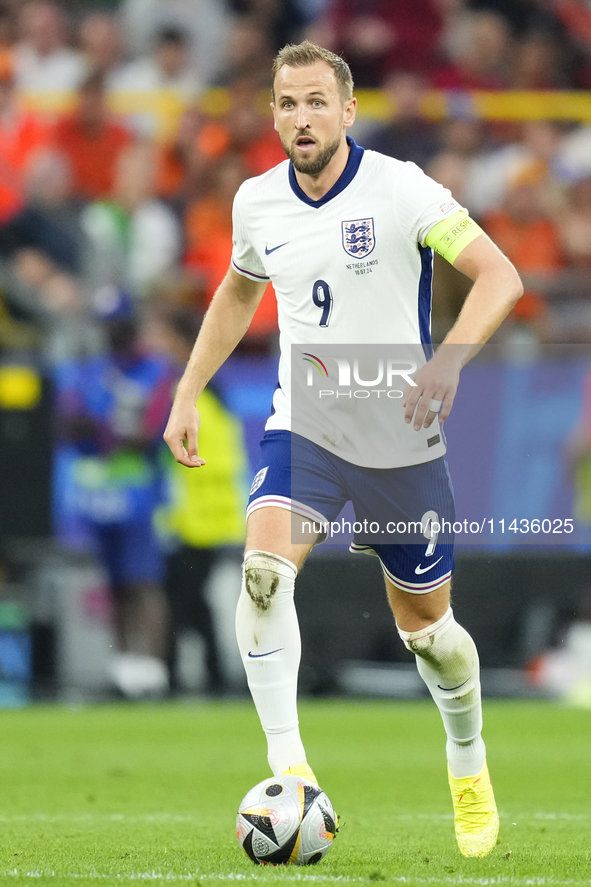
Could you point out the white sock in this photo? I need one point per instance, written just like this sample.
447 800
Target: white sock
447 661
269 640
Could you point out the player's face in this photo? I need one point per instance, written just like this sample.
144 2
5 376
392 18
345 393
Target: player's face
311 115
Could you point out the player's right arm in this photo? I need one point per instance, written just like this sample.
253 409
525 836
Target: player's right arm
227 320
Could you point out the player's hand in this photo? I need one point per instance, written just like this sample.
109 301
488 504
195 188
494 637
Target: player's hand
436 383
182 433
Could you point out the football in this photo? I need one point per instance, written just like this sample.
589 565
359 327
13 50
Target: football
286 820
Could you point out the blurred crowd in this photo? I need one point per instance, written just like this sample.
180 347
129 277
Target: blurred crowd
93 199
126 129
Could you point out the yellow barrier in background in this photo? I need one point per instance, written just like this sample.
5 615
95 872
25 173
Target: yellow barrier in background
164 107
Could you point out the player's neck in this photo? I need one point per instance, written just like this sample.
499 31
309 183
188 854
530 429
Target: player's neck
316 187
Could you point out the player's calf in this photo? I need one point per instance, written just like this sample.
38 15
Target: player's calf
447 661
269 640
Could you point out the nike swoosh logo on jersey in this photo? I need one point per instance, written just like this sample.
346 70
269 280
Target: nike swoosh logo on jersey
273 248
419 569
260 655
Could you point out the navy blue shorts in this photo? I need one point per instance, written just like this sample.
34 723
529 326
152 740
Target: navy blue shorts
402 515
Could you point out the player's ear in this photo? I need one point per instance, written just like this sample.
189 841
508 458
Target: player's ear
350 111
273 111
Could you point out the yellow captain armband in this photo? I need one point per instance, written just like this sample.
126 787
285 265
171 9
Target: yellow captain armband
451 235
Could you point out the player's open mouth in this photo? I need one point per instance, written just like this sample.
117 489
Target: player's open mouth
305 143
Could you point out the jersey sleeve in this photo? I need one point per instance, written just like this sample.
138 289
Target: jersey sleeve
422 203
245 259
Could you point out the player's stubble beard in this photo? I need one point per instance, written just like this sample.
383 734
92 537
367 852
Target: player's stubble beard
312 166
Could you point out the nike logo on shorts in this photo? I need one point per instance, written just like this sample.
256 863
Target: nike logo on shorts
273 248
260 655
419 569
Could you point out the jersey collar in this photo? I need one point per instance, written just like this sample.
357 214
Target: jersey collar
346 177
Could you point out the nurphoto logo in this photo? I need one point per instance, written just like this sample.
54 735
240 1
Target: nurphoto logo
387 372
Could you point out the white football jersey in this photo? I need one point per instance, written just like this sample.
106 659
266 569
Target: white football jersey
349 269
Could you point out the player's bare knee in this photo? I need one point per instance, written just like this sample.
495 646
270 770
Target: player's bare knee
262 572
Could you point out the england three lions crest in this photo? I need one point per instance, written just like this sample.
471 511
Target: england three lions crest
358 237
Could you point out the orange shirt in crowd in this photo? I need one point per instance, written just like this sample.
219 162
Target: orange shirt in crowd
92 153
170 173
208 230
21 135
259 156
212 143
264 154
533 247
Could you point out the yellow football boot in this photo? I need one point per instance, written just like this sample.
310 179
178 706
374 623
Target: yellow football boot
302 770
475 813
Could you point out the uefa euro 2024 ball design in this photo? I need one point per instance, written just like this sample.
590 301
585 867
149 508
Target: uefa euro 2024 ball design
284 820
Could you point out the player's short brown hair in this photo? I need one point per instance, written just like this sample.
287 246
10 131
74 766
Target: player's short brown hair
299 55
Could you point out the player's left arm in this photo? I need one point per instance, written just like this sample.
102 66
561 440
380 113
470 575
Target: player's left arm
497 287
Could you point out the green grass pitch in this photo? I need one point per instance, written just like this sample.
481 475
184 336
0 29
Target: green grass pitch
121 794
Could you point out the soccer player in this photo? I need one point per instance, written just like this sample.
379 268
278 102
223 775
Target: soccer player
295 225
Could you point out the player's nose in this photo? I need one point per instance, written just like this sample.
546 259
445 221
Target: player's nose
301 117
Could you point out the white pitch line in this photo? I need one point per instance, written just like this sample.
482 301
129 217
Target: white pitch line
101 817
567 816
171 876
279 876
194 819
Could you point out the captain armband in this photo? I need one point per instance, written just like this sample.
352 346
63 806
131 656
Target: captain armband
451 235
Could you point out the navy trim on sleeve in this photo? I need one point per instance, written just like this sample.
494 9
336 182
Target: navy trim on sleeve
247 273
425 297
